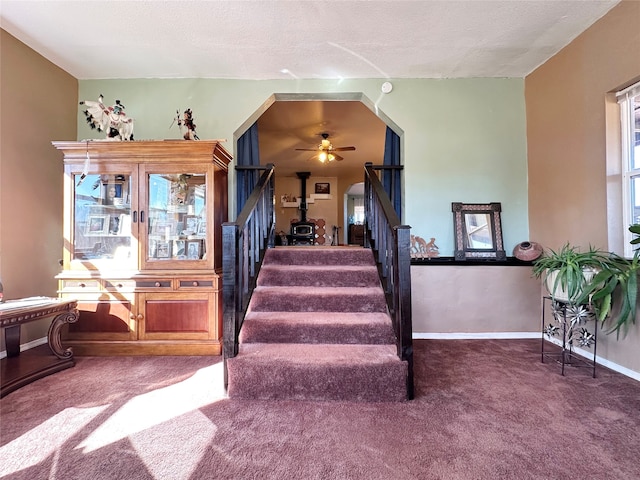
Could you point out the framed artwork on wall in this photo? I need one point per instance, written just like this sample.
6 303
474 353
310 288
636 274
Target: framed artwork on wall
322 188
478 231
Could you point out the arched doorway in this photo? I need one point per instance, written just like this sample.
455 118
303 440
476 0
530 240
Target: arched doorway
354 214
287 123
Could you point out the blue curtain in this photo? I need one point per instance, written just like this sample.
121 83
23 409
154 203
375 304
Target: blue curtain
391 178
248 154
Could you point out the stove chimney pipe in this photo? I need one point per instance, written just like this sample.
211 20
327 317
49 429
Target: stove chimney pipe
303 201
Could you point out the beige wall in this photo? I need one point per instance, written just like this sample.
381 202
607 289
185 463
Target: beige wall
474 299
37 105
566 125
566 101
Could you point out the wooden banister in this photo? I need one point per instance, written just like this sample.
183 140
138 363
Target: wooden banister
390 243
244 243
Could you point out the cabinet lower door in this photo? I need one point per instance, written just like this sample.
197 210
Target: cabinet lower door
177 316
104 317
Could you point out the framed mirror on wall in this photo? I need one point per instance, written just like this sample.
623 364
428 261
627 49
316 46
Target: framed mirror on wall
478 231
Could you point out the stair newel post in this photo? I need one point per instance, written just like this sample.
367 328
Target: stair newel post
403 307
231 289
243 244
245 270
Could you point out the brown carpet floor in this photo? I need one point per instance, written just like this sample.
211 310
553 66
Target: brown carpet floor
484 409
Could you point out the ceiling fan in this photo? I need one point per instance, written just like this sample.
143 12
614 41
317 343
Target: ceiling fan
326 151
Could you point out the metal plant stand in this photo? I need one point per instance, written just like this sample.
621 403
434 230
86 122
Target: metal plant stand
576 326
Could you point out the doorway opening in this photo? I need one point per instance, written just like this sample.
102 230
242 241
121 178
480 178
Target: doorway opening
354 214
289 129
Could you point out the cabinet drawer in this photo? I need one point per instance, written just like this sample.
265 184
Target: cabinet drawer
161 283
125 284
196 283
85 284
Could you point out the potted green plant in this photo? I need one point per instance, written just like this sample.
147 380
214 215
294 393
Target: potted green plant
616 283
604 280
567 272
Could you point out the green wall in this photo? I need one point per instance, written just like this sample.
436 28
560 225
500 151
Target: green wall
464 140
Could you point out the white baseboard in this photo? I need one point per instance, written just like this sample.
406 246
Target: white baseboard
600 361
516 335
26 346
475 336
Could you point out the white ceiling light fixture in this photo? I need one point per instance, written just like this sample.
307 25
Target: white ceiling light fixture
387 87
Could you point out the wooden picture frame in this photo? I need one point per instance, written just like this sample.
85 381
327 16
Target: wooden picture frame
191 224
113 193
164 249
478 231
193 249
323 188
114 224
165 229
97 225
180 249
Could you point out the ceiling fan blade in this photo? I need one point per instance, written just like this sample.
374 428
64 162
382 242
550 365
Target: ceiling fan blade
308 149
338 157
343 149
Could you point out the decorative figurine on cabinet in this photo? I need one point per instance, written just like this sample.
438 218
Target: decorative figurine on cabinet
111 120
186 125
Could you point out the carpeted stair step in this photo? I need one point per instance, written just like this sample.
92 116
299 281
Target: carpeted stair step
317 327
317 299
323 256
271 371
319 275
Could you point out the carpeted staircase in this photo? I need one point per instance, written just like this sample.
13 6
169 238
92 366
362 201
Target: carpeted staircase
318 328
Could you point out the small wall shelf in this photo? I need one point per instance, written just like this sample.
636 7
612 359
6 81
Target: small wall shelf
311 199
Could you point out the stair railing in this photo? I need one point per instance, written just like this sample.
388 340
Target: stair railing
390 242
244 243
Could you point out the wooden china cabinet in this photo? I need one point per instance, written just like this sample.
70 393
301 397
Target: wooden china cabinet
143 246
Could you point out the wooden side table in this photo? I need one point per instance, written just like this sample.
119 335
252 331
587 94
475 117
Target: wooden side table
19 369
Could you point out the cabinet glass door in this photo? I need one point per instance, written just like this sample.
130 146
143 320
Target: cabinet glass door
177 219
102 235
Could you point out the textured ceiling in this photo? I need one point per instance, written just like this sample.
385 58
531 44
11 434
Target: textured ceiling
299 39
320 39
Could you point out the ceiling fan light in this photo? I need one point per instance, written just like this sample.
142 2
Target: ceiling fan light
325 143
323 157
331 157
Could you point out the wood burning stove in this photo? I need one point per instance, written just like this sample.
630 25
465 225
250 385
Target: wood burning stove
303 232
